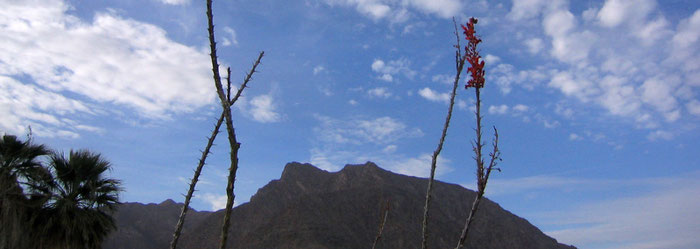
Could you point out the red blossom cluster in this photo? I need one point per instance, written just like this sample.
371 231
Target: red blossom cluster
476 65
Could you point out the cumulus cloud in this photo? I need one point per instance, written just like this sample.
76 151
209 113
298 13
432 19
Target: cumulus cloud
443 78
574 137
693 107
418 166
382 130
534 45
506 77
334 160
111 60
318 69
615 12
660 134
216 202
527 9
520 108
379 92
387 70
500 109
357 140
229 38
398 11
175 2
435 96
491 59
263 109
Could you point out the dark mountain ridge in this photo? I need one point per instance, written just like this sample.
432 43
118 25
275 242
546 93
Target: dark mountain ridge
312 208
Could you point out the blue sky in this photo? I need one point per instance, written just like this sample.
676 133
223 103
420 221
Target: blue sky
597 102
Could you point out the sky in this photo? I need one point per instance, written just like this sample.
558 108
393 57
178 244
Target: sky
596 102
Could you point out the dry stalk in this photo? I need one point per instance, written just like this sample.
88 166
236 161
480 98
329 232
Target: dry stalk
381 225
193 183
233 142
459 62
210 143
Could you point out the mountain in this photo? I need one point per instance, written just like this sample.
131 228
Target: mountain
311 208
149 225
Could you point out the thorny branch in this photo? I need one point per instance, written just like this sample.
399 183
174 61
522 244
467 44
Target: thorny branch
387 207
459 61
477 81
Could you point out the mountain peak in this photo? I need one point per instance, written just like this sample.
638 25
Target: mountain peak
368 170
300 171
168 202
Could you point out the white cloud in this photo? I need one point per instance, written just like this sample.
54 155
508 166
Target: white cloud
656 213
386 77
663 218
527 9
520 108
574 137
112 61
23 105
501 109
506 76
491 59
263 109
571 86
693 107
217 202
443 78
398 11
658 93
534 45
431 95
660 134
461 104
230 39
685 46
352 102
390 148
620 97
615 12
394 67
334 160
383 130
567 46
175 2
418 166
318 69
559 23
379 92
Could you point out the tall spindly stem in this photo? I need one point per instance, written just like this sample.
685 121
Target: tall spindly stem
459 62
476 69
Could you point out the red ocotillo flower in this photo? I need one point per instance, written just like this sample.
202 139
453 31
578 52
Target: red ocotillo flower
476 65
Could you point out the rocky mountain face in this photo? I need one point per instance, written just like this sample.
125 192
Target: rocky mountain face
149 226
311 208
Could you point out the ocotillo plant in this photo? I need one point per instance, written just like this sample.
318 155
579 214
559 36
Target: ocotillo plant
476 70
207 149
459 62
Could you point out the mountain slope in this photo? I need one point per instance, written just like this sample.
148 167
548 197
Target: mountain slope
311 208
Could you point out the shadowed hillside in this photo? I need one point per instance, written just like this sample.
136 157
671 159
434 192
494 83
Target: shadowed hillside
311 208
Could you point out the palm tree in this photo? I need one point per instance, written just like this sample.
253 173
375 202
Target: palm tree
81 198
19 167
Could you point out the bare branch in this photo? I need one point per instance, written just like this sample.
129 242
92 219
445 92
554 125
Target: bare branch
248 77
233 143
193 183
433 164
482 173
381 225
